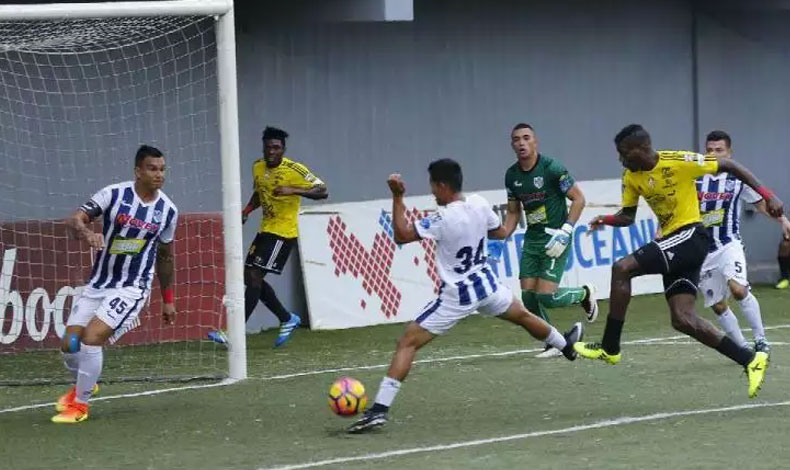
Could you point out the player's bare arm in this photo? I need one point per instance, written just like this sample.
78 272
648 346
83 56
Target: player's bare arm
404 231
165 269
783 221
254 203
512 217
319 191
774 205
578 202
623 218
77 226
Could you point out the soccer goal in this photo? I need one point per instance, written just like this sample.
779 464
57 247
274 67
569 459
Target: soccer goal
82 86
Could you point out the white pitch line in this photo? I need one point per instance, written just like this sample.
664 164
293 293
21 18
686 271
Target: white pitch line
344 369
493 440
128 395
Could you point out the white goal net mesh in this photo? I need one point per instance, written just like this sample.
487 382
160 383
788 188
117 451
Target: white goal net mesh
77 98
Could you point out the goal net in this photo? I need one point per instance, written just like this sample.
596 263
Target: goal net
77 98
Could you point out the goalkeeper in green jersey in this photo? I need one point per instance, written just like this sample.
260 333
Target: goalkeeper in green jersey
539 185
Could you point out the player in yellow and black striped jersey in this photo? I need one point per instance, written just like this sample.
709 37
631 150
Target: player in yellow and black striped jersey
667 181
279 184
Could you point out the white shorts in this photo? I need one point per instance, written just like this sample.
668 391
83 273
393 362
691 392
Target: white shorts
117 308
721 266
445 311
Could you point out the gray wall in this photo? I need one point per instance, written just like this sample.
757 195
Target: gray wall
363 99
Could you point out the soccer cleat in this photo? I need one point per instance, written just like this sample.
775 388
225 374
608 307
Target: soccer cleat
595 351
756 372
549 352
572 336
286 330
68 398
783 284
371 419
74 413
218 336
590 303
761 345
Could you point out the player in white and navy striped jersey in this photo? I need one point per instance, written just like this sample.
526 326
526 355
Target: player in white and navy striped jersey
460 229
138 227
724 270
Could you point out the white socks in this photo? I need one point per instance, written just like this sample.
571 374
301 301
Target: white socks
751 310
730 326
555 339
72 363
387 390
90 364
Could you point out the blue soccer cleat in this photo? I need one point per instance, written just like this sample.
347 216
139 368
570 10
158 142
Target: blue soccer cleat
286 330
218 336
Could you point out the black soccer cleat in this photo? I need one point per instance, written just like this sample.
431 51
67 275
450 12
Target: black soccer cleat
576 333
371 419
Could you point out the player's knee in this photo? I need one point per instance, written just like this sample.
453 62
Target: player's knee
720 307
683 321
71 343
92 339
739 292
620 269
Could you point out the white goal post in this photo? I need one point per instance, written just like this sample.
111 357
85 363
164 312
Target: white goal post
223 15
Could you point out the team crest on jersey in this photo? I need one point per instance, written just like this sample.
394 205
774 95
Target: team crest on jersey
157 216
651 183
538 181
729 185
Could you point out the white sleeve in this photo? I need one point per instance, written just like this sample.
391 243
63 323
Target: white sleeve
430 227
493 221
98 203
169 232
750 195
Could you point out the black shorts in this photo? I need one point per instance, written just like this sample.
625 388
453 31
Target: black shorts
678 257
269 252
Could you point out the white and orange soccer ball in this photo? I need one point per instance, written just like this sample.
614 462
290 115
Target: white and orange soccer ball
347 397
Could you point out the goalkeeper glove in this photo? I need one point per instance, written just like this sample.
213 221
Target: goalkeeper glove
559 241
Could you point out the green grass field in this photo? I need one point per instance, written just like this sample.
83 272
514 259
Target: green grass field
486 411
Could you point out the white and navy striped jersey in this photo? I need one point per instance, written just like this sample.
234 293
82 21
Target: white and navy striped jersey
720 205
460 230
132 230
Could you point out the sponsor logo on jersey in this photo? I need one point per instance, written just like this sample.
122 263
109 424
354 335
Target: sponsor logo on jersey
709 196
126 220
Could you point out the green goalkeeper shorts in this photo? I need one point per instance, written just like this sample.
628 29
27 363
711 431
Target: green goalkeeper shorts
535 263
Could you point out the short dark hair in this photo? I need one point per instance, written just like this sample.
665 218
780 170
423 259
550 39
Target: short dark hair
522 125
447 171
146 151
274 133
633 132
719 135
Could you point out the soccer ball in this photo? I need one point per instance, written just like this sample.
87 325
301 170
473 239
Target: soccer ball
347 397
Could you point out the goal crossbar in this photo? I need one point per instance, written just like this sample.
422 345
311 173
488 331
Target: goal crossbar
53 11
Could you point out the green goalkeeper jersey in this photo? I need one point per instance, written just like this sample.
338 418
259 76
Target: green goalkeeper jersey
542 192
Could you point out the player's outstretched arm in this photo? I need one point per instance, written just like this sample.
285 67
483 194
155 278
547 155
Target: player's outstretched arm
77 227
165 268
403 230
761 208
578 201
623 218
773 204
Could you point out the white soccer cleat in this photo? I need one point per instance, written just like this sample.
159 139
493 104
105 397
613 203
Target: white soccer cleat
549 352
590 303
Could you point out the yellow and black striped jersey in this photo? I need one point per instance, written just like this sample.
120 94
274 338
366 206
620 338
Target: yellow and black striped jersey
670 188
